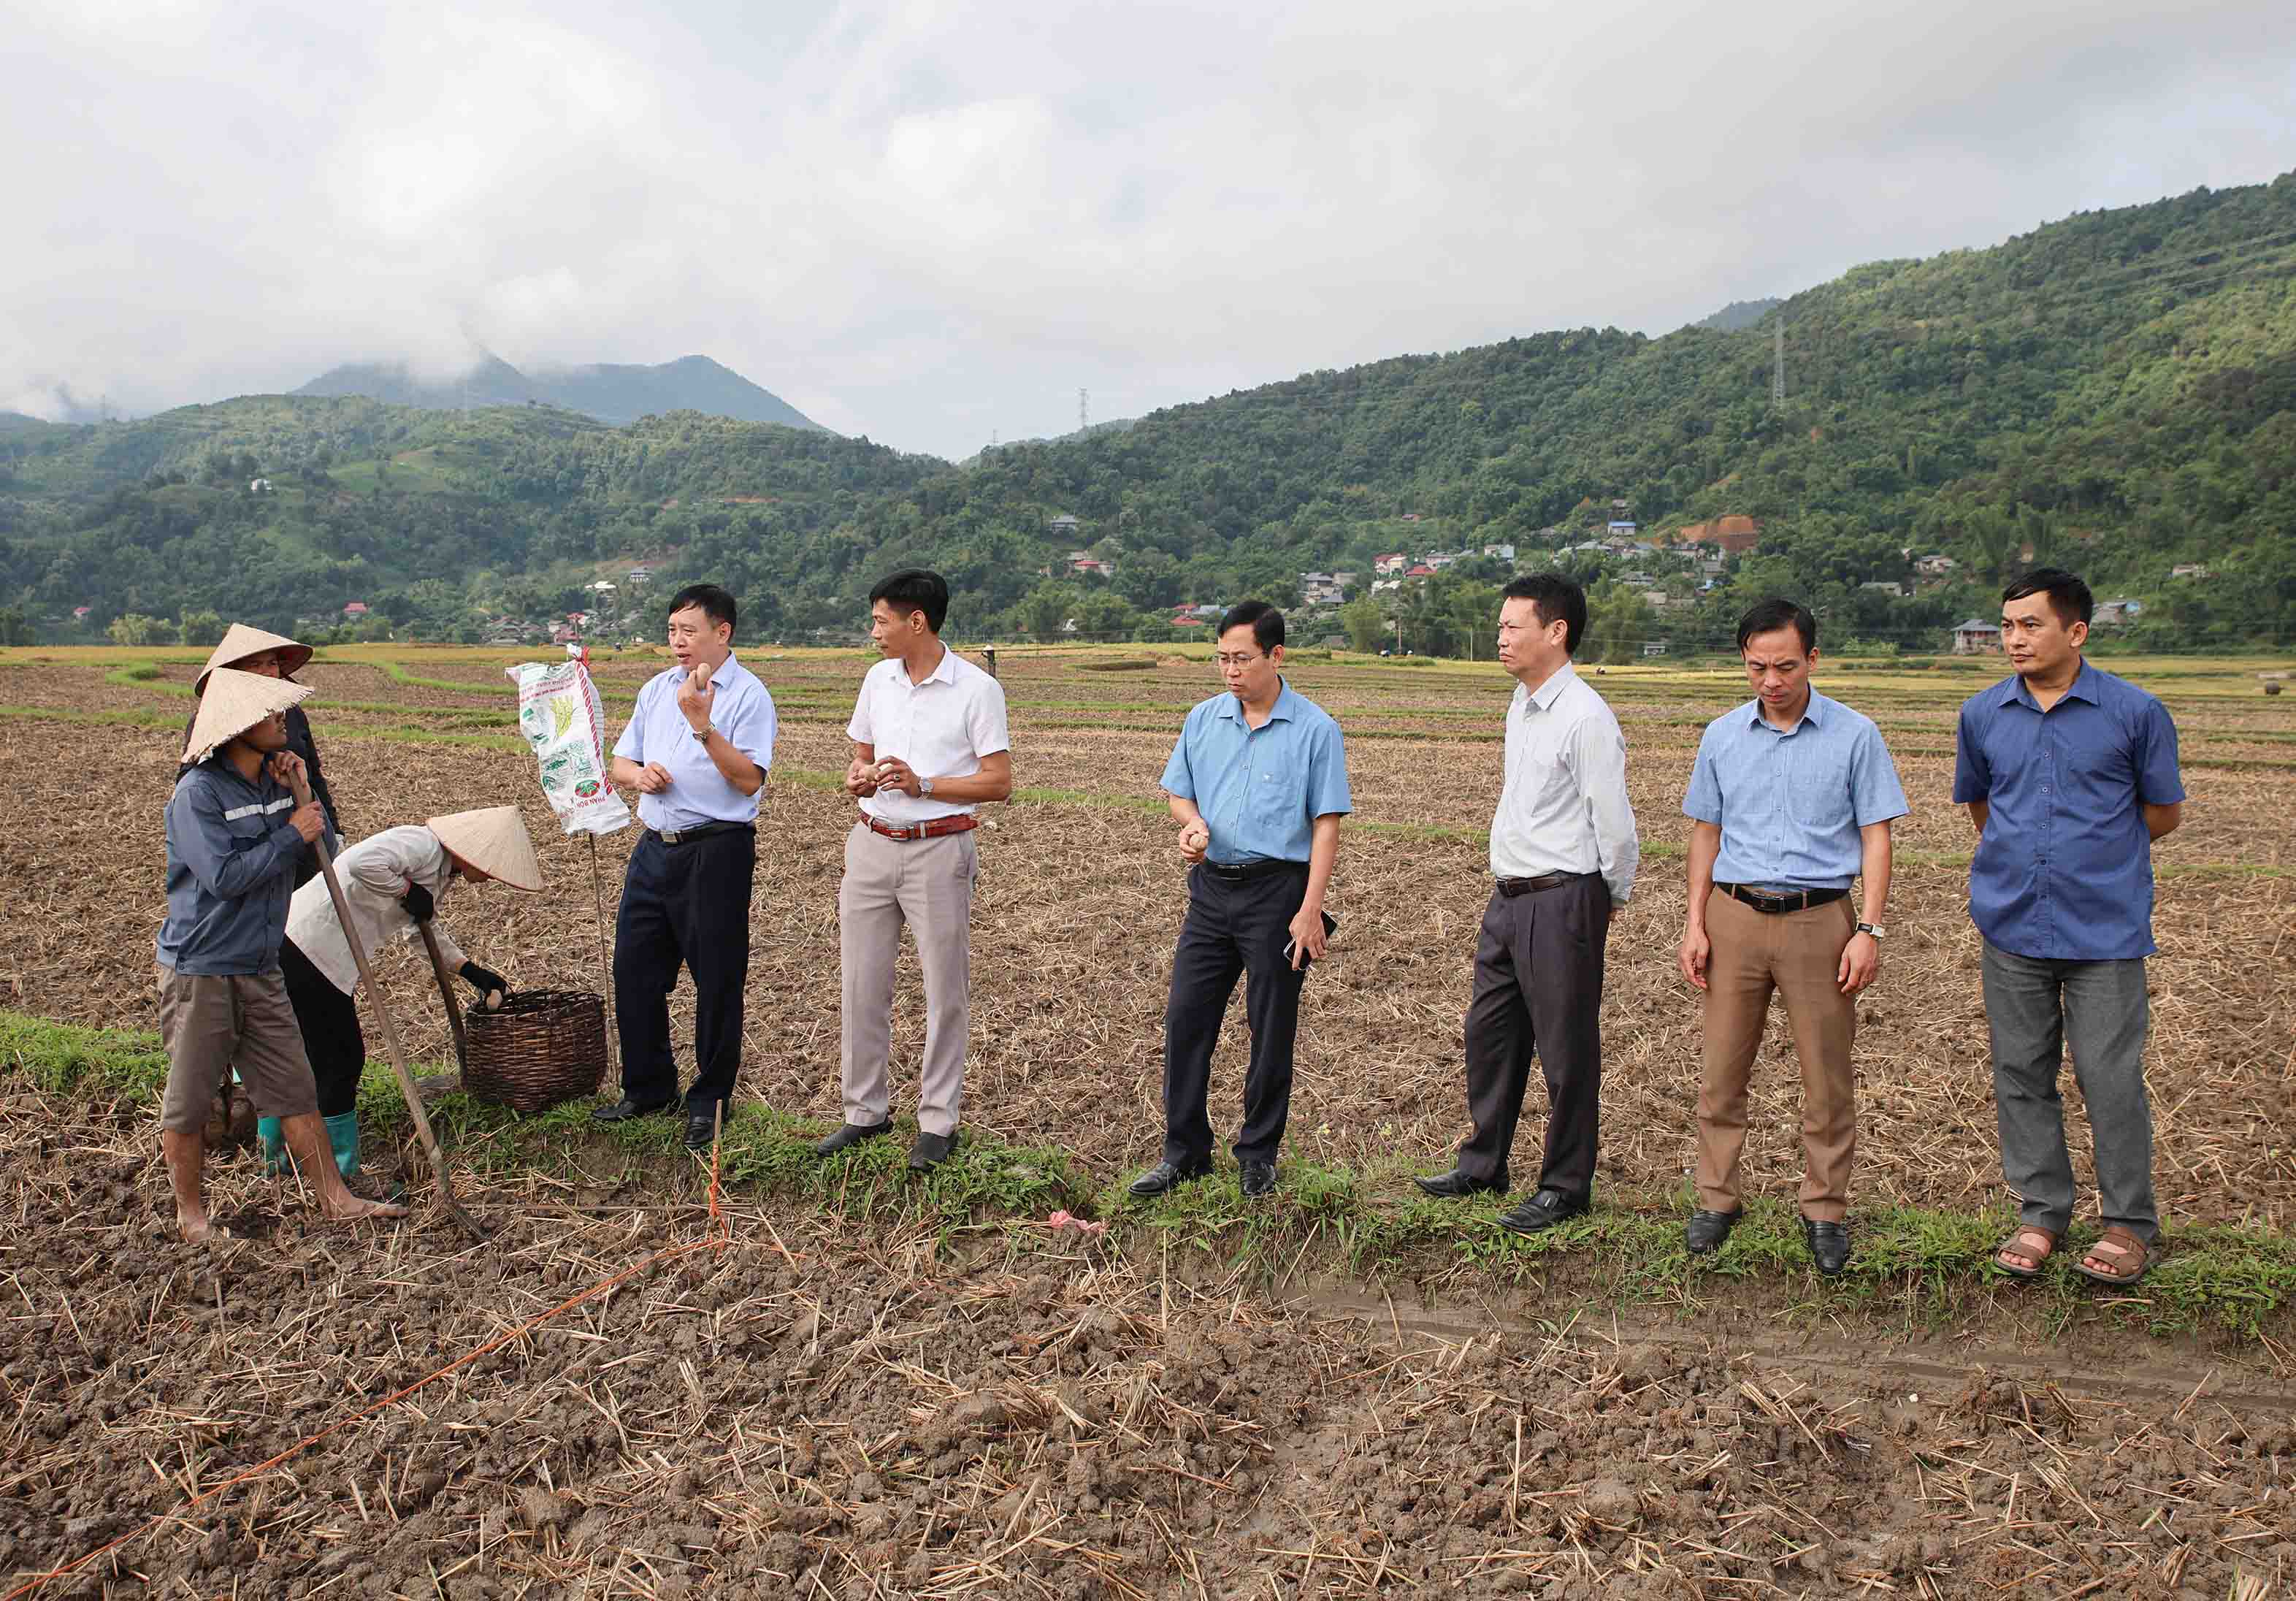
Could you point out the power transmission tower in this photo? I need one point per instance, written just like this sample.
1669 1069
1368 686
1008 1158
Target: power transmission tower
1778 366
1084 419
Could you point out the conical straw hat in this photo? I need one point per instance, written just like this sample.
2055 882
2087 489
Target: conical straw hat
492 840
241 641
235 703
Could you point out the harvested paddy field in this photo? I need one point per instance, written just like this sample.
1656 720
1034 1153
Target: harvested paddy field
867 1386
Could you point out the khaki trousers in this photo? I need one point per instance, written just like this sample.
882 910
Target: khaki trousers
210 1023
927 884
1798 955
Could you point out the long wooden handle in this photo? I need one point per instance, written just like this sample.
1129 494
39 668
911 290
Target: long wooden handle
446 993
382 1004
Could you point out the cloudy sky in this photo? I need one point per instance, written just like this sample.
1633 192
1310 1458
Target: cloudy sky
926 222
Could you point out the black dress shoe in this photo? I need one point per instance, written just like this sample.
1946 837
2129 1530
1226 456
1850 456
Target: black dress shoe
1257 1178
1451 1185
1708 1229
1829 1244
625 1109
1544 1211
851 1134
701 1126
931 1151
1167 1175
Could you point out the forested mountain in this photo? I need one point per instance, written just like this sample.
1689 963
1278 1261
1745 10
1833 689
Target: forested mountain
2117 390
1738 315
606 393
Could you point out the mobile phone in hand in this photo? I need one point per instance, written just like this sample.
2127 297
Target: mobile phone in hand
1331 927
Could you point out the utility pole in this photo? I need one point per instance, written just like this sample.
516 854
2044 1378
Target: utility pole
1779 364
1084 418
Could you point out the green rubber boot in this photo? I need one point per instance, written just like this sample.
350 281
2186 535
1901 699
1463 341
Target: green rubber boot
273 1141
342 1133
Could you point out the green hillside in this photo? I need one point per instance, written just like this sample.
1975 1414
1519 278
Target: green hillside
2117 390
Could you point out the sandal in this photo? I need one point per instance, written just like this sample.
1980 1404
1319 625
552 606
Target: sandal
2017 1243
2117 1244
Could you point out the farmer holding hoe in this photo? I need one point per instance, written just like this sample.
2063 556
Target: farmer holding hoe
253 650
235 836
1257 782
930 744
393 882
696 751
2070 774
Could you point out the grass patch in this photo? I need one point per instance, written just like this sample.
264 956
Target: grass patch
1910 1262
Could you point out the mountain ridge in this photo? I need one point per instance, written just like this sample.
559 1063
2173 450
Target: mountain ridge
616 393
2115 389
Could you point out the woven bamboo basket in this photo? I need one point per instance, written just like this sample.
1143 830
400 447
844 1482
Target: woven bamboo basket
539 1047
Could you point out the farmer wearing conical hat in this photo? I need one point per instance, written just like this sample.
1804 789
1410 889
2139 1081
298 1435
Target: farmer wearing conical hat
392 881
234 836
252 650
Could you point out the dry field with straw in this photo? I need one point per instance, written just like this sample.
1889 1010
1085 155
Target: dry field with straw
841 1390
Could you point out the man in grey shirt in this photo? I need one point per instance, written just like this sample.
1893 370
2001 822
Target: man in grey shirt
1563 855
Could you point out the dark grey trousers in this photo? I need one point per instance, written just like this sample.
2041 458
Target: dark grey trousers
1538 987
2036 1007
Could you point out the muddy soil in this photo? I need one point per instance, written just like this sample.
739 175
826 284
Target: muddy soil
1085 899
800 1408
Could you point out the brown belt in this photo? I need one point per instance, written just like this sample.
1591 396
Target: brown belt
961 822
1513 887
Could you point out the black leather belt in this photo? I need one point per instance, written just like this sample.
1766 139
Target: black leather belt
1800 900
1240 872
700 831
1513 887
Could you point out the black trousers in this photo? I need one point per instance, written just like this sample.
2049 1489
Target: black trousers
331 1038
1232 927
1538 986
684 905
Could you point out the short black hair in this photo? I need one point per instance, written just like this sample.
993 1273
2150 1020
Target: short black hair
715 603
1555 599
1265 621
2068 597
1770 616
913 589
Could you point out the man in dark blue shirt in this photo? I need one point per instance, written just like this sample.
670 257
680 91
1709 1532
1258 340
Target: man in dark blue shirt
2070 774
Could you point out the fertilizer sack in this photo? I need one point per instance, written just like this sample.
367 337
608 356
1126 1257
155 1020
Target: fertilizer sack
559 713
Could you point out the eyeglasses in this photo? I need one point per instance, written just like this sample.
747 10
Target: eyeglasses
1227 659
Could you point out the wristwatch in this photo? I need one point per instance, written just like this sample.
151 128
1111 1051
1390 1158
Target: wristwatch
701 735
924 787
1874 929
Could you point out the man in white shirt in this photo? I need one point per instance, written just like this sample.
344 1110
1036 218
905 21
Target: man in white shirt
1564 853
696 751
928 745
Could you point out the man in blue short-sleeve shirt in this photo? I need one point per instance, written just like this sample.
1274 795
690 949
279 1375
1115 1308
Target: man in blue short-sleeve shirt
2070 774
1257 782
1791 801
696 751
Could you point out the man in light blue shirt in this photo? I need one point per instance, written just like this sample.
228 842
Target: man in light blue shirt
1791 801
696 751
1257 782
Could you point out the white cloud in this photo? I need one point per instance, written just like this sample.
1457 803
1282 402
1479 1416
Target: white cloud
925 221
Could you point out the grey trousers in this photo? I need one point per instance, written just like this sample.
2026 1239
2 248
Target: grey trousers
2036 1007
927 884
